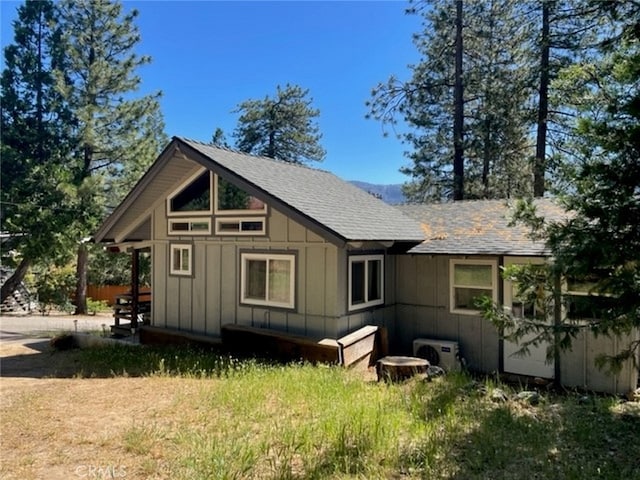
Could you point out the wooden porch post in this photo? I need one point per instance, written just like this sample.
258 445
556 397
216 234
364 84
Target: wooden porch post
135 287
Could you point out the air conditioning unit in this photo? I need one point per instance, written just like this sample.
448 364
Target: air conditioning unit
441 353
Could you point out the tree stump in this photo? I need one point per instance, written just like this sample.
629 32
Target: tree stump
396 369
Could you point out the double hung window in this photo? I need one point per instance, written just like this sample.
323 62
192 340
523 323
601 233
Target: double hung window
470 280
366 281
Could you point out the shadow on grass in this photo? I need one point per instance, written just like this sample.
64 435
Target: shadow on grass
563 437
37 359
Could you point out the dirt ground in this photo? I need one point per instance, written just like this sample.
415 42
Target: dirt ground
55 426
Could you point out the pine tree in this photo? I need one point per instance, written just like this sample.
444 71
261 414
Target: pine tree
569 31
596 248
37 203
480 104
118 136
282 127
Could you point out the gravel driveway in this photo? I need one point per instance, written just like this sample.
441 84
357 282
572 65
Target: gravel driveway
16 327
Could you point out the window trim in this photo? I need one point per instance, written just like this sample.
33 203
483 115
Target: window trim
367 303
240 232
494 283
190 221
251 255
185 184
188 247
220 212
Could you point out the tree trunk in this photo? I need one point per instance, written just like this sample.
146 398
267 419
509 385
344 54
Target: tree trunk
81 278
12 283
458 117
539 165
486 160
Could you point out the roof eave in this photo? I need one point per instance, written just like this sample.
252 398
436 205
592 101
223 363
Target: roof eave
133 195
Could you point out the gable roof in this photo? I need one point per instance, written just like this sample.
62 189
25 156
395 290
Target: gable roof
330 206
478 227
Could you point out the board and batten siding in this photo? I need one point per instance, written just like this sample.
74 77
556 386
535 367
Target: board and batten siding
210 298
578 369
423 311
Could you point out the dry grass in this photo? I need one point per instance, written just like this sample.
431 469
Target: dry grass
276 422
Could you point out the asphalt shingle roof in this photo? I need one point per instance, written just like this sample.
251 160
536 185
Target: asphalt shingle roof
321 196
477 227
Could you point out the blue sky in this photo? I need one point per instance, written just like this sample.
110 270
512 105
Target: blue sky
210 56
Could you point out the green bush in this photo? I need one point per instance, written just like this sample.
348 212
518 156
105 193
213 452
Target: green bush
54 286
95 306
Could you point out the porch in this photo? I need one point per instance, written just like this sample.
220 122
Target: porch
132 310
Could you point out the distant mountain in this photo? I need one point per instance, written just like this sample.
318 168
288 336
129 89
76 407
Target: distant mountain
391 194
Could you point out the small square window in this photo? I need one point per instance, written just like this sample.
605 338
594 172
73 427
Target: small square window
181 259
470 280
366 284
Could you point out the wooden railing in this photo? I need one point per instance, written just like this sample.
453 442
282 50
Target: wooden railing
129 315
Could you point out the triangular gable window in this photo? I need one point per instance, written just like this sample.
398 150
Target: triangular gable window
193 197
232 200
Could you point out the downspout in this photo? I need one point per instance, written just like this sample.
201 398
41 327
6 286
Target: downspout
557 322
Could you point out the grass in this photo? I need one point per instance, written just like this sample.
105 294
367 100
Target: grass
247 419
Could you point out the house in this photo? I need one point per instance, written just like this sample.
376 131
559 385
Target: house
253 241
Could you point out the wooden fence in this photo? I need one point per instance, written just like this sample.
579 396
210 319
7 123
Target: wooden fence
107 293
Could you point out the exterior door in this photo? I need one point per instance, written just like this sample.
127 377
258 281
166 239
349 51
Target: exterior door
534 364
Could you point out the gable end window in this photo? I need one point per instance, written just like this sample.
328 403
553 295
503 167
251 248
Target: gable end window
232 200
193 197
471 279
181 259
268 279
189 226
240 226
366 281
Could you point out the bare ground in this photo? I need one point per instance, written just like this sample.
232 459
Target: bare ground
55 426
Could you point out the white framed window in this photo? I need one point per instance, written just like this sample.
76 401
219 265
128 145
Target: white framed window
181 259
193 196
583 300
189 226
240 226
366 281
232 200
268 279
469 280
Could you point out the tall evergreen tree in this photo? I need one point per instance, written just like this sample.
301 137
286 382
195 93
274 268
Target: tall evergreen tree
283 127
118 135
568 32
596 248
432 101
37 202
